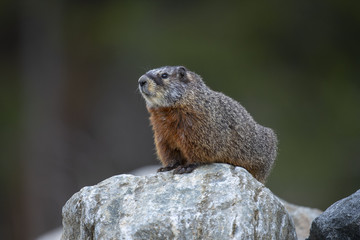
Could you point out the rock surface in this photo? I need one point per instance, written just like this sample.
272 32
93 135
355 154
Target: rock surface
216 201
302 217
54 234
340 221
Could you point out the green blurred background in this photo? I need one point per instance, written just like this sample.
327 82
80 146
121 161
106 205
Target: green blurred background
71 115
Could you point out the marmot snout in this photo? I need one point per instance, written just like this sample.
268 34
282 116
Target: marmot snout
195 125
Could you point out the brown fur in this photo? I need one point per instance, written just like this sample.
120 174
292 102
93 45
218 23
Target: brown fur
177 141
175 135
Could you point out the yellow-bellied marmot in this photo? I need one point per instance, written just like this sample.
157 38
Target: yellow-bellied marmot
195 125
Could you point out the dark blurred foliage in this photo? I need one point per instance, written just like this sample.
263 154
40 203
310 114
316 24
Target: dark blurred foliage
71 116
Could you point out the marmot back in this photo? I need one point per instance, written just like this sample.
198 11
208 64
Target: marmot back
195 125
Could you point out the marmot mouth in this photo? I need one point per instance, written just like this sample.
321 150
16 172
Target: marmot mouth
144 90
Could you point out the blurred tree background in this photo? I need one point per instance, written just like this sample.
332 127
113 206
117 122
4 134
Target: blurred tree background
71 115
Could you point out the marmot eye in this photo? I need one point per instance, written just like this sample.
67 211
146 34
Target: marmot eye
164 75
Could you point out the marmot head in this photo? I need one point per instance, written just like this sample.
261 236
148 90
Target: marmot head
165 86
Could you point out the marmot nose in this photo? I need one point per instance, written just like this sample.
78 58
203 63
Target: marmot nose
142 81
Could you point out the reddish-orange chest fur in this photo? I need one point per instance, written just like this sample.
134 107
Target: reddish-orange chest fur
168 125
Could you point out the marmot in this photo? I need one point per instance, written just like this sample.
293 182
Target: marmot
194 125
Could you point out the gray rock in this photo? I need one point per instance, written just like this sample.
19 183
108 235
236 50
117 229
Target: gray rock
146 170
302 217
340 221
216 201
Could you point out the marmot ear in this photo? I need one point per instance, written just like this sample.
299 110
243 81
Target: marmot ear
182 74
